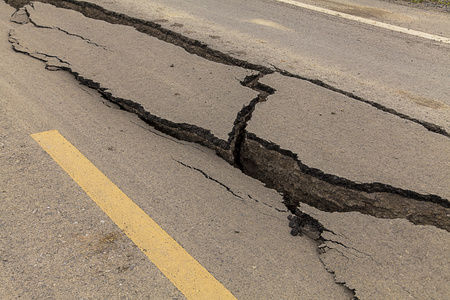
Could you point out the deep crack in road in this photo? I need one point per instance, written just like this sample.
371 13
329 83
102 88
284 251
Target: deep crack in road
253 85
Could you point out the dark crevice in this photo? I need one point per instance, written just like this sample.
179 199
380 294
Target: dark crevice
359 196
198 48
192 46
252 81
158 134
340 181
181 131
282 170
299 221
78 36
244 116
201 49
285 172
323 248
237 135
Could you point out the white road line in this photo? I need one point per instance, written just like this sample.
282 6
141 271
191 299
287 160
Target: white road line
370 22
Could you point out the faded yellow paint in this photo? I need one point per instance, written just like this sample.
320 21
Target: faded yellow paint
428 102
270 24
191 278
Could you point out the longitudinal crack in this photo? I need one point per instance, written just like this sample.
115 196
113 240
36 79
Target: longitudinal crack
192 46
375 187
196 47
282 170
286 173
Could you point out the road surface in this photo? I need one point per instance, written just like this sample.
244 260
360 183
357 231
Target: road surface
396 70
110 95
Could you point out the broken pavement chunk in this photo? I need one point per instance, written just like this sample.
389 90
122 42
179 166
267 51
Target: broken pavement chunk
322 148
384 258
351 139
20 16
132 69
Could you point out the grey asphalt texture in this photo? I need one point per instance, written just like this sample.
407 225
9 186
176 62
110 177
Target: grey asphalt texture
326 130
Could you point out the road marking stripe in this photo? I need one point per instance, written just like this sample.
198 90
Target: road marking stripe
370 22
191 278
270 24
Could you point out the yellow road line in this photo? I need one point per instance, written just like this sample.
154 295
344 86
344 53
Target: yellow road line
369 22
191 278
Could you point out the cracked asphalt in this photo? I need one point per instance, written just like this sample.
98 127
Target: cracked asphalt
184 130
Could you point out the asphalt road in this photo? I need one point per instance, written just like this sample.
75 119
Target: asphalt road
400 71
57 243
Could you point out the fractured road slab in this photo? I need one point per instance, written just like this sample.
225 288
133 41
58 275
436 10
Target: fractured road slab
351 139
56 243
231 184
336 153
384 259
198 95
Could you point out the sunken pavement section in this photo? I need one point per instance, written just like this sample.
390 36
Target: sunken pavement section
332 155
